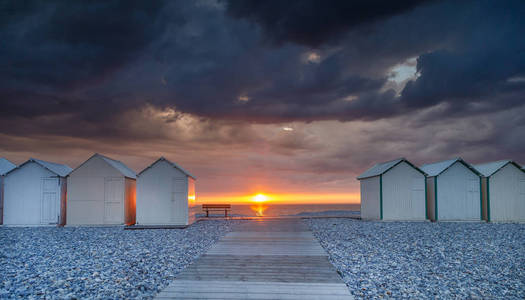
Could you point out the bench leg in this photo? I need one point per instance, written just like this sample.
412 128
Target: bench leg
207 213
226 213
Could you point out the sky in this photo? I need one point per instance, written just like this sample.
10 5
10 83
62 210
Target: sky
292 99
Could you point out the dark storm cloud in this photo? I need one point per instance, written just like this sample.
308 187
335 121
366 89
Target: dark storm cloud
95 61
29 104
60 44
481 68
282 87
312 22
468 52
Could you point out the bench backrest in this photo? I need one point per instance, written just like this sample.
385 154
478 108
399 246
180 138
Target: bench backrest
223 206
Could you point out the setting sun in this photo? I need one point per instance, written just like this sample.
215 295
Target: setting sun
260 198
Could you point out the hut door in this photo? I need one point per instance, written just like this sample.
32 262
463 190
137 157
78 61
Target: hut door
473 192
179 199
418 193
49 213
113 198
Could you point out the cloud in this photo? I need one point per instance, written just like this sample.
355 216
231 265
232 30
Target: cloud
195 58
282 86
310 22
318 157
64 43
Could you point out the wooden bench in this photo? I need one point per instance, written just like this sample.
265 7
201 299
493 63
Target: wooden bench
216 207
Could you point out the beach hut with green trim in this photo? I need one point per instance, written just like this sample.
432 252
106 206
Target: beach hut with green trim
503 191
393 190
453 191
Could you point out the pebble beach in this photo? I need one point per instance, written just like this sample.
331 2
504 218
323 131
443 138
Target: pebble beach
375 259
446 260
98 262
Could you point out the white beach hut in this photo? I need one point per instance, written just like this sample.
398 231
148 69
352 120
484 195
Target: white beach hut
35 193
393 190
165 195
5 166
503 190
101 191
453 191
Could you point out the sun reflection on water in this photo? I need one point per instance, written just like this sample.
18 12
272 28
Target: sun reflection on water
259 209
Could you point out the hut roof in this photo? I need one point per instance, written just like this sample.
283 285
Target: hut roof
59 169
118 165
172 164
488 169
383 167
6 166
121 167
435 169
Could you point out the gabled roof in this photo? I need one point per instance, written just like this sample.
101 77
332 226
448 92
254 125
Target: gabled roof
119 166
435 169
171 163
6 166
488 169
382 168
59 169
122 168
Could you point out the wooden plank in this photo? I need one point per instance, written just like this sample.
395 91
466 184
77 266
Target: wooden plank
253 290
307 294
247 295
299 250
270 234
281 225
220 283
213 258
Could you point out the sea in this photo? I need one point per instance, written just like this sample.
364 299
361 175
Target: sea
290 210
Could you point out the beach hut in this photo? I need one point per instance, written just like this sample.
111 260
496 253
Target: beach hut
393 190
101 191
5 166
503 190
453 191
165 195
35 193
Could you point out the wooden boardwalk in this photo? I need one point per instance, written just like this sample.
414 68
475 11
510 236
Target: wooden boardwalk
261 259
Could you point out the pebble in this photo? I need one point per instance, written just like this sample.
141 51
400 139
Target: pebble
418 260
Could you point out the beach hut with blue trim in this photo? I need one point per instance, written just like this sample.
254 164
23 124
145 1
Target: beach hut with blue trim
165 195
453 191
503 191
393 190
5 166
35 193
